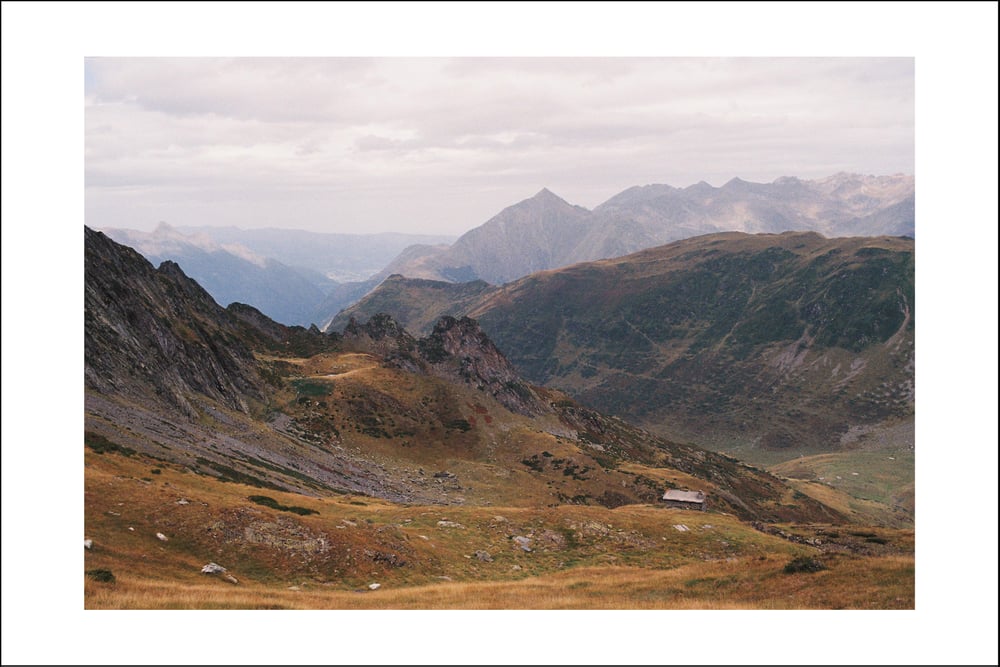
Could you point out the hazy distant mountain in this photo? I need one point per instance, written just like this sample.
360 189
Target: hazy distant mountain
545 232
338 257
535 234
841 205
233 273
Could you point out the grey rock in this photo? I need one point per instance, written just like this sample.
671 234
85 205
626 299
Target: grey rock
484 556
212 568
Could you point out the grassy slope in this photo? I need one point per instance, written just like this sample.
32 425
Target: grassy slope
872 486
405 422
775 341
582 556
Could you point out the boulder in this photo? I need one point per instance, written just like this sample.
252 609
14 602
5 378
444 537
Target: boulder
213 568
161 537
484 556
374 587
88 544
523 542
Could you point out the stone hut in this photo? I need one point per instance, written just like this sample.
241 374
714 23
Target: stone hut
690 500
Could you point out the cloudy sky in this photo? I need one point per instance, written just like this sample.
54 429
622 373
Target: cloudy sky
440 145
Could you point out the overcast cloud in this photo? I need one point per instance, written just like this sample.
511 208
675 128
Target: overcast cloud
440 145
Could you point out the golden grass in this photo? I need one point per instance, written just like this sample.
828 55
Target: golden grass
852 583
583 557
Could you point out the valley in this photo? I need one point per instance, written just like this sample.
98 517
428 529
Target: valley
377 468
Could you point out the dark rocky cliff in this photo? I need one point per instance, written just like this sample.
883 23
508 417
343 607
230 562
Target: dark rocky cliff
156 334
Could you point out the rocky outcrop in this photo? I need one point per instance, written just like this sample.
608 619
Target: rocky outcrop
384 337
459 350
456 350
215 568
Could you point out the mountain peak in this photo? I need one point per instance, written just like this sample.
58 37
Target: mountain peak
546 195
700 187
163 230
544 199
787 180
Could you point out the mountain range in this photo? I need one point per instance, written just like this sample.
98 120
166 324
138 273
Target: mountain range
341 258
300 278
546 232
746 343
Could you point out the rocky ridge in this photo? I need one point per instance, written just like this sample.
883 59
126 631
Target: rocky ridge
546 232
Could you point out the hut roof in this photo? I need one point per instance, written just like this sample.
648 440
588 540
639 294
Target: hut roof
684 496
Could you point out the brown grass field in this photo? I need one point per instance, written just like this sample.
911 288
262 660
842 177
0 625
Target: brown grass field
882 583
582 557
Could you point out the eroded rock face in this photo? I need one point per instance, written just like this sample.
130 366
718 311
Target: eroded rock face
383 336
458 349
